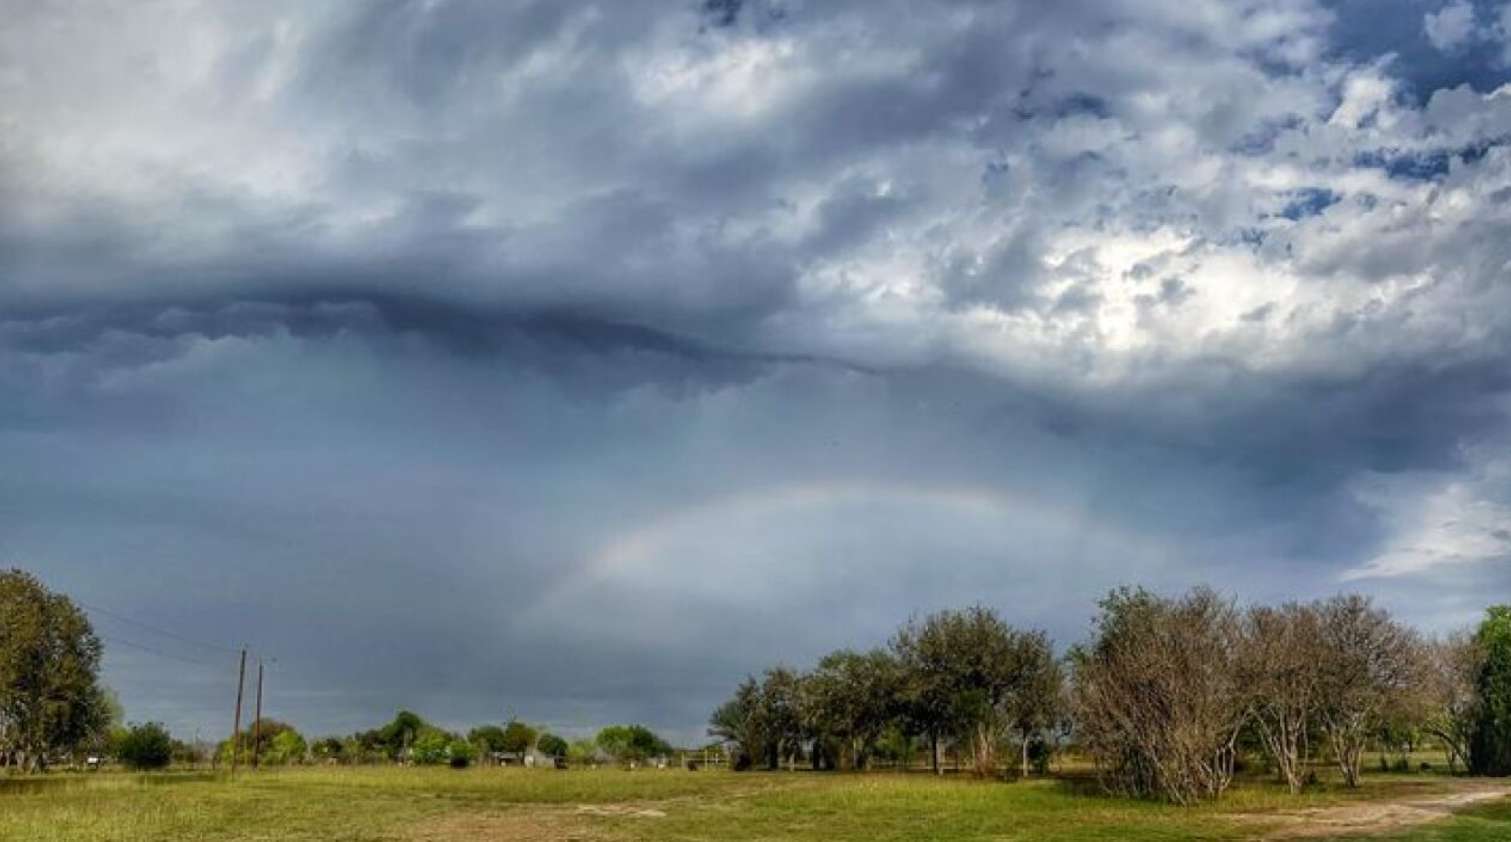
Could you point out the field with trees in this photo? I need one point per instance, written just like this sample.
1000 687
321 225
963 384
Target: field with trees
1184 717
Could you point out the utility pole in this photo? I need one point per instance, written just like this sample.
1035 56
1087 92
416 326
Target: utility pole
241 679
257 720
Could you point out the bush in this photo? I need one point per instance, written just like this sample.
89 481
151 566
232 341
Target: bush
146 746
431 747
286 747
461 754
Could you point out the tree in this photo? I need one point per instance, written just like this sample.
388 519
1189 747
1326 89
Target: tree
190 753
286 747
781 702
1279 673
277 744
552 745
631 743
1036 706
1452 696
960 672
396 737
50 699
489 739
146 746
1490 745
431 746
330 750
852 698
583 752
517 737
1367 661
1158 703
740 722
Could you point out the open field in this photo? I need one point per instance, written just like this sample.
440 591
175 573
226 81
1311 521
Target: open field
496 804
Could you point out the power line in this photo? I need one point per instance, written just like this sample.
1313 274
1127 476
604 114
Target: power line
158 652
164 632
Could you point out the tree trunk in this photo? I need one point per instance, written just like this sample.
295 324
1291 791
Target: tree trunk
1025 754
934 751
985 750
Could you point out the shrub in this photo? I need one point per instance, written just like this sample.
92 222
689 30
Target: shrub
461 754
430 747
146 746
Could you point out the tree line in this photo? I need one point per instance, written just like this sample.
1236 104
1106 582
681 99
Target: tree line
407 739
1166 696
53 709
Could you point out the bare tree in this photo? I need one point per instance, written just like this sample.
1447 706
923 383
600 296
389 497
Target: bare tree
1452 669
1367 662
1280 675
1158 703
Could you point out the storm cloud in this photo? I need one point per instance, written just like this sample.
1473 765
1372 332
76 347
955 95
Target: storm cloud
571 360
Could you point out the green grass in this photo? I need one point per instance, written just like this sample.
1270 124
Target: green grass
484 804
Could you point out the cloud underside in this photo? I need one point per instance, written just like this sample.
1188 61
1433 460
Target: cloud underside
574 359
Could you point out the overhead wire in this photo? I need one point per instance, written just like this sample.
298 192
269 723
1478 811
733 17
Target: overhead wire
154 651
156 630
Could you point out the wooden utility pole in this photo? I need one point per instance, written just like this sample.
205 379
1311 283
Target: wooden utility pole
257 720
241 679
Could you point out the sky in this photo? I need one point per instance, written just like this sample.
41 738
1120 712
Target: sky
570 361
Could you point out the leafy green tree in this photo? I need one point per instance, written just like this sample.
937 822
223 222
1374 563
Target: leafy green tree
851 697
397 736
286 747
1036 708
1490 745
366 747
631 743
330 750
961 670
146 746
50 699
106 737
583 752
517 737
552 745
781 701
487 738
271 746
741 724
431 746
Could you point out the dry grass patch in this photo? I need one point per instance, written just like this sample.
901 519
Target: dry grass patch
1378 817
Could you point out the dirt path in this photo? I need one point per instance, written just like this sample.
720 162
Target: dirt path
1383 816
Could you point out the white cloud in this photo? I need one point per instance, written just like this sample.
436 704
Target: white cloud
1450 27
1442 521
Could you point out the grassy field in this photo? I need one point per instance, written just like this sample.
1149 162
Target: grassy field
496 804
